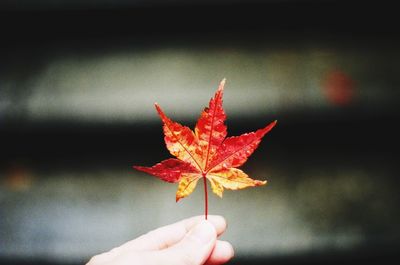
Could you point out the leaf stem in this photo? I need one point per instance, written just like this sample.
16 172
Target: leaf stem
205 196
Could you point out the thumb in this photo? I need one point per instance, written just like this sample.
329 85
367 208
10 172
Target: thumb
194 249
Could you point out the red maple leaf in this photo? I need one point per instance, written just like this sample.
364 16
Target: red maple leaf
206 153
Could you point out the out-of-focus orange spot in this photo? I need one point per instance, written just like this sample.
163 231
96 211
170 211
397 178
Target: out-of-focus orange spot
18 179
339 88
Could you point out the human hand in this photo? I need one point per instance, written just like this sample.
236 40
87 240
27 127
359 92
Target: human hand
191 241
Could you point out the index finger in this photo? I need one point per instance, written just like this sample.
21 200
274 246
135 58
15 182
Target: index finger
169 235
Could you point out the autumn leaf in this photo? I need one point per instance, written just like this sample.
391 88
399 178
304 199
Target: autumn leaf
206 152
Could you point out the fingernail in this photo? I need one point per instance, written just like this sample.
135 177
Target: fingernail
204 232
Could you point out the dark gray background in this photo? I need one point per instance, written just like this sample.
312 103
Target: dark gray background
77 87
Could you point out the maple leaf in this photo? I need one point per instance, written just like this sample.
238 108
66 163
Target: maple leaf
206 152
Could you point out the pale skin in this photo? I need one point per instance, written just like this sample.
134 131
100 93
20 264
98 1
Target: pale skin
192 241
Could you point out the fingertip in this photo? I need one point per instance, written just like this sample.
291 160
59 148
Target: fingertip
196 247
222 253
219 223
204 232
226 248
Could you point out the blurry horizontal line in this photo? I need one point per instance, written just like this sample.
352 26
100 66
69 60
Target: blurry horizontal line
300 141
122 86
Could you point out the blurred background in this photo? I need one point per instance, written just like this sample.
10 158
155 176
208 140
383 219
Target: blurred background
78 80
